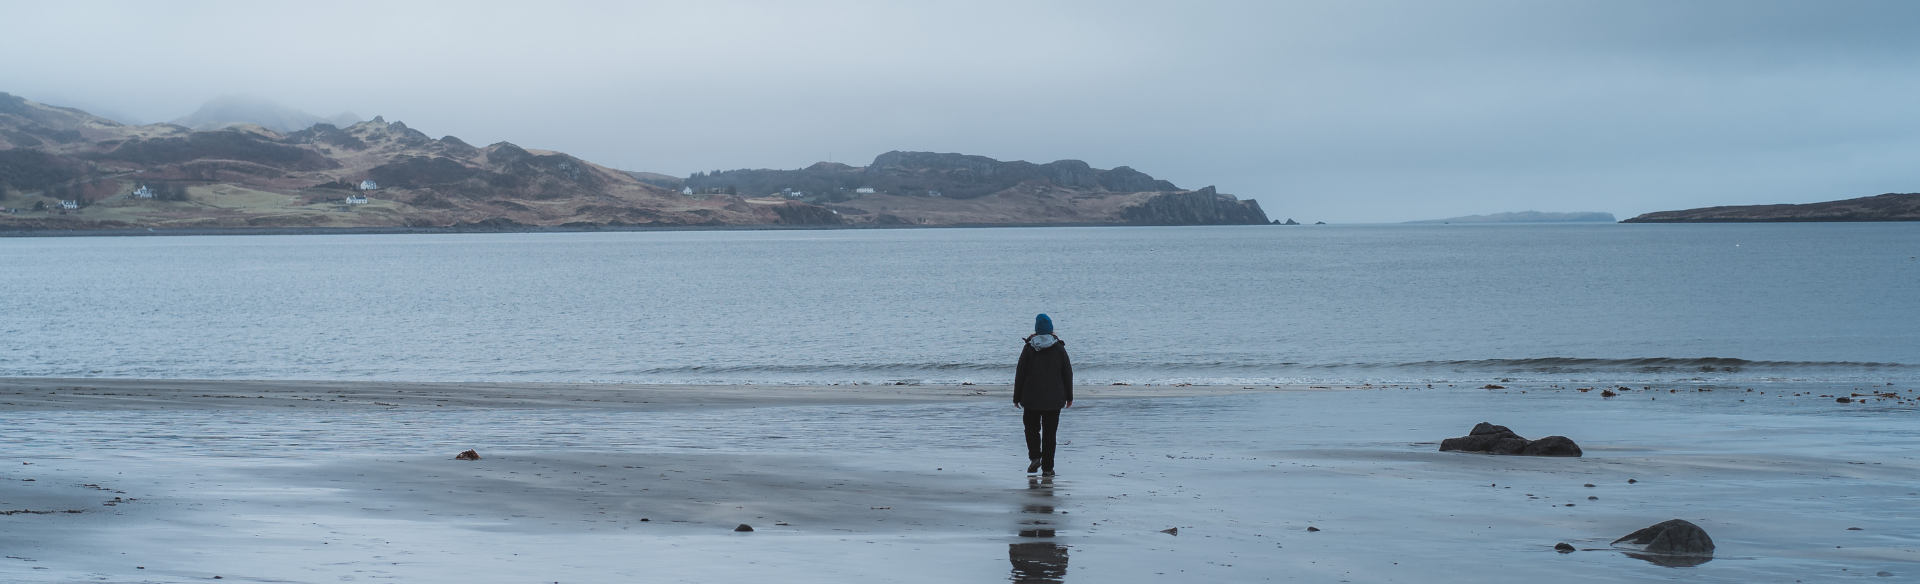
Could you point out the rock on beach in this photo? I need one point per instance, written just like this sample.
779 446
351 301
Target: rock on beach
1494 439
1673 537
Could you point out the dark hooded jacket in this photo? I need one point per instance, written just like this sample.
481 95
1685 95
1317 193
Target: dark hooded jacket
1044 378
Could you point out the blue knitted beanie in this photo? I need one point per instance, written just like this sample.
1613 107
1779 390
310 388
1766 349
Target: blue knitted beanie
1042 325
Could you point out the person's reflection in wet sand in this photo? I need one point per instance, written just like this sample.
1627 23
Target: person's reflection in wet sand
1040 562
1038 526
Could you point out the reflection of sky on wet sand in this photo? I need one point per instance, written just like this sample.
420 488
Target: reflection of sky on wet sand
1776 486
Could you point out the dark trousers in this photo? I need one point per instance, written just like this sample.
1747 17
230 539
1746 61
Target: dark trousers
1041 425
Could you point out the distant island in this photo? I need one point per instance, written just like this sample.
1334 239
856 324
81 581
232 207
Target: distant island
1887 207
248 165
1528 217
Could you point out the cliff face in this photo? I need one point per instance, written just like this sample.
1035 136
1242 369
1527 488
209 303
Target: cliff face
1201 207
1887 207
952 176
932 188
962 176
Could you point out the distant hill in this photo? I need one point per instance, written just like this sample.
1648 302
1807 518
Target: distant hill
1528 217
1887 207
249 174
930 188
233 110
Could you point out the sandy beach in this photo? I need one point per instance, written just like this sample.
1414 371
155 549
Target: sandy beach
177 481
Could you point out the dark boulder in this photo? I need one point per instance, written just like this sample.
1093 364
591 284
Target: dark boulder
1495 439
1484 428
1552 446
1673 537
1514 445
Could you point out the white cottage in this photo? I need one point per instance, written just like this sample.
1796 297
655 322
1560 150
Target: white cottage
686 190
70 205
356 199
369 185
864 190
143 192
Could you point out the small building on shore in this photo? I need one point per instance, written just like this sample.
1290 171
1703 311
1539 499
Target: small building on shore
356 199
369 185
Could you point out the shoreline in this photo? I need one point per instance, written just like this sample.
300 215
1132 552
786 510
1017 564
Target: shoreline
55 393
8 231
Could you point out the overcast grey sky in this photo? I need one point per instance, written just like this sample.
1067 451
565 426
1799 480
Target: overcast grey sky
1339 111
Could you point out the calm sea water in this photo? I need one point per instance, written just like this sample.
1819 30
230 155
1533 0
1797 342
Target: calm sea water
1257 304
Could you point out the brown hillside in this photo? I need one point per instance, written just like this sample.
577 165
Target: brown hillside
247 175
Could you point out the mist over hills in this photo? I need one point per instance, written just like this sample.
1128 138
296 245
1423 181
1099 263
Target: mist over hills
63 168
233 110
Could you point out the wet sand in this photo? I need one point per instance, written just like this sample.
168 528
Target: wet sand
335 481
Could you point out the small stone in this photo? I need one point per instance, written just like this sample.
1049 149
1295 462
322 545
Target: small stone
468 455
1593 498
1563 547
1854 529
645 519
1312 528
1171 531
1569 504
743 527
1631 481
1844 400
1883 574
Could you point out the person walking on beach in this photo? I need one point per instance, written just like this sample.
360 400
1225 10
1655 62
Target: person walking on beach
1042 386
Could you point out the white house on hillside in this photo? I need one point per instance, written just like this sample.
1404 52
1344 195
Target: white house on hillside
69 205
369 185
864 190
686 190
142 193
356 199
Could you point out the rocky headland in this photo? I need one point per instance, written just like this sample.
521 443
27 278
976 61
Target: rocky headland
63 169
1887 207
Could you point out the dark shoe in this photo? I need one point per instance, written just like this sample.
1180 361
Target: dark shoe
1046 473
1034 466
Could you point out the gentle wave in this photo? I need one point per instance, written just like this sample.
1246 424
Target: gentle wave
1643 365
1089 371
